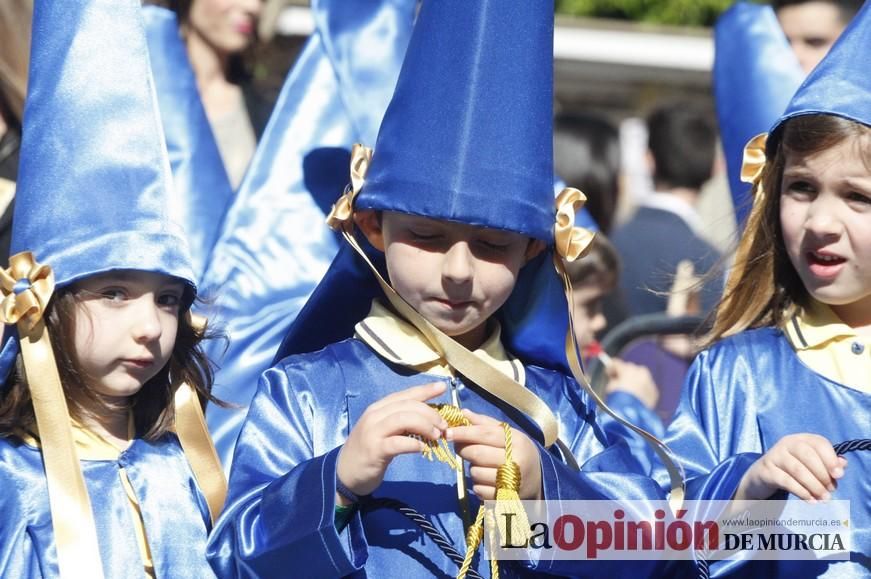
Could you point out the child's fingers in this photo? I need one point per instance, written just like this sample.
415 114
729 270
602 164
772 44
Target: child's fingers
491 435
482 455
792 486
826 454
480 419
396 445
419 393
801 474
810 457
383 414
404 422
485 492
483 475
839 470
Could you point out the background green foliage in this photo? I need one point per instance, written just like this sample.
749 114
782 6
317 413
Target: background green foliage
677 12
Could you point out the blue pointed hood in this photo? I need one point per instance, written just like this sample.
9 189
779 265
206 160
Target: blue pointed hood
443 160
840 85
468 134
94 187
755 74
202 188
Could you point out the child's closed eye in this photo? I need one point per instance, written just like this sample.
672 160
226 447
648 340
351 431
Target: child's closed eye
493 245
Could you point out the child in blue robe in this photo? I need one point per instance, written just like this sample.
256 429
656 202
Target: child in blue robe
106 468
789 372
457 201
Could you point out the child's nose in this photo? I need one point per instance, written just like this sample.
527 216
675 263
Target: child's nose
822 219
458 265
147 327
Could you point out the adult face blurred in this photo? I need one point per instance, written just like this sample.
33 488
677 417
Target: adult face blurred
226 25
811 29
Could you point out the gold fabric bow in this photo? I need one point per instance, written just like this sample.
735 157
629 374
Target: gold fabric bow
571 241
27 287
343 209
754 158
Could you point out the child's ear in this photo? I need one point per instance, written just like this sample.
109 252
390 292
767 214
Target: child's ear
535 247
369 223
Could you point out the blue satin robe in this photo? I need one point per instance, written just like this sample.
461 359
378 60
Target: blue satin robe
174 512
743 395
279 514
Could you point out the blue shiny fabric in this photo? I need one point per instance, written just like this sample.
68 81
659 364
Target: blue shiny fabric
174 512
281 502
741 397
94 187
755 74
840 85
468 134
274 246
202 188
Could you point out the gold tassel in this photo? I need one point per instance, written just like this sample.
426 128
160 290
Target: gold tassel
508 505
509 509
474 536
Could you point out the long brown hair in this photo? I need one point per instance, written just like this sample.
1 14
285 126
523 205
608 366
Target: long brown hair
153 405
763 288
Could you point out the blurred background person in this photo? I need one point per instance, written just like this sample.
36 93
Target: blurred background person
587 157
218 34
15 19
813 26
665 230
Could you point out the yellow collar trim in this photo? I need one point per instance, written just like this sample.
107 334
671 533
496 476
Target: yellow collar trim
399 342
816 326
89 445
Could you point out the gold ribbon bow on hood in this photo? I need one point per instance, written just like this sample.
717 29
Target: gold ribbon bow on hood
340 215
27 287
754 159
571 241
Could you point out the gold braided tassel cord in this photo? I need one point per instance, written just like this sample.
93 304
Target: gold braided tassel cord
508 505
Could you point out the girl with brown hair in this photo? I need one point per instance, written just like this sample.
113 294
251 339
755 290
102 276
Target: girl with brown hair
788 371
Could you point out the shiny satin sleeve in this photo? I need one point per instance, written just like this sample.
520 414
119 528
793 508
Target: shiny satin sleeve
632 409
281 502
18 557
609 470
715 432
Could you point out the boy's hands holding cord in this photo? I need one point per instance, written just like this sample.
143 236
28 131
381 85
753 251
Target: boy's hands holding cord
382 434
483 445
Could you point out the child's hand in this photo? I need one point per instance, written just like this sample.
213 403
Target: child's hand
803 464
634 379
381 434
483 445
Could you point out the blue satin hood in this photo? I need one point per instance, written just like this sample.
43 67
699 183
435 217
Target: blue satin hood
840 85
94 189
468 135
756 72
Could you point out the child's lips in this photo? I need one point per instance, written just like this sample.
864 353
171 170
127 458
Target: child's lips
453 304
139 363
824 264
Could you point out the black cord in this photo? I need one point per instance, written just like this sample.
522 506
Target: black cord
425 526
